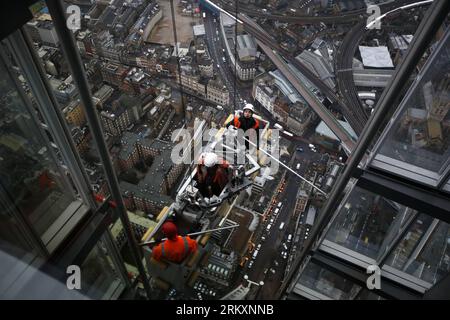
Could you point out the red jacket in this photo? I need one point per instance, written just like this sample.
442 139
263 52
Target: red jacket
220 176
175 250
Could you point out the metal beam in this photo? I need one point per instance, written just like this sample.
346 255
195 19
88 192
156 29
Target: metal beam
417 197
440 291
76 249
389 289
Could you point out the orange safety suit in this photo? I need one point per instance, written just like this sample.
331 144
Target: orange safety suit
175 250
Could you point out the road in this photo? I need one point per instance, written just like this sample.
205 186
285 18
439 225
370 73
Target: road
269 257
216 49
344 76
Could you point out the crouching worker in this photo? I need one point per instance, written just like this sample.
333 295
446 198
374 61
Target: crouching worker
176 248
212 175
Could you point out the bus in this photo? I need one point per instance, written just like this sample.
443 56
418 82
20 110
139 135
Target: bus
288 134
278 126
366 95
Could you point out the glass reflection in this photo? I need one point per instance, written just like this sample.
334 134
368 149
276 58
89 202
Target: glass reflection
419 135
363 222
424 251
328 283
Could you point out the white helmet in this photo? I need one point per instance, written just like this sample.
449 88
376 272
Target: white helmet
250 107
209 159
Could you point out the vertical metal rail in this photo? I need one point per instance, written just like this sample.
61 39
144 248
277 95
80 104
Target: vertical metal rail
434 18
76 66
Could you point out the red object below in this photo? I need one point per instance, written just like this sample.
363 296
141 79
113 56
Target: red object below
100 198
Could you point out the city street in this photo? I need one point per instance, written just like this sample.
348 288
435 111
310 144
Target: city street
216 48
269 265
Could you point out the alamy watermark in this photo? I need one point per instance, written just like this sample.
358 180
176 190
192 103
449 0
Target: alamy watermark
74 279
374 280
374 20
73 21
232 146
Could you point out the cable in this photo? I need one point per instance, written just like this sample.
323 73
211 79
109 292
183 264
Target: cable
172 12
235 55
301 177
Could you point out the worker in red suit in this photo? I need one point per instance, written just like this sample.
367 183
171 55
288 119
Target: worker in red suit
212 174
176 248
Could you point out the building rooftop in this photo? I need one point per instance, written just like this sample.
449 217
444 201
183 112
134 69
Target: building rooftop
199 30
156 174
117 104
149 187
162 199
103 93
376 57
128 141
285 86
318 65
324 130
246 47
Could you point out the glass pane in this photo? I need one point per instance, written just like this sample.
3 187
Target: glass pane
28 169
12 239
16 251
328 283
42 33
424 251
363 222
417 141
98 275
